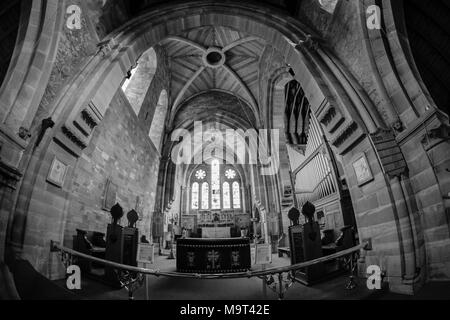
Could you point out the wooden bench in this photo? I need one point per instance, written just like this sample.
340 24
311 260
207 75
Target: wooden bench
284 250
92 243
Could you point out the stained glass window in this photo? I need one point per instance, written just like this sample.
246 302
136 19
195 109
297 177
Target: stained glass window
205 195
200 174
215 184
226 195
195 195
215 188
230 174
236 195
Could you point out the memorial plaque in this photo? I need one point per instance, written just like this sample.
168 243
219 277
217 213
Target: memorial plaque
57 173
362 170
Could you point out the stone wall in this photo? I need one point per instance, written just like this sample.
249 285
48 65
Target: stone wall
343 34
120 150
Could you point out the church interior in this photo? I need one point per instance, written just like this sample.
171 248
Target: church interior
253 150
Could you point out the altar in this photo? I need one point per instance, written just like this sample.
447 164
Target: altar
213 255
216 232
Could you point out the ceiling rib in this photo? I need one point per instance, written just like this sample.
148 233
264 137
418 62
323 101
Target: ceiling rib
238 43
243 85
186 86
188 42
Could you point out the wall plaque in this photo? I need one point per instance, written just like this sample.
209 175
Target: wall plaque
57 173
362 170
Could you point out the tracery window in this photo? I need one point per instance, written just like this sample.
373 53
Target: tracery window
205 196
226 195
215 187
195 195
215 184
236 195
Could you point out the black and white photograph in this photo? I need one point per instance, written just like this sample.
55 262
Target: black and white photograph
224 159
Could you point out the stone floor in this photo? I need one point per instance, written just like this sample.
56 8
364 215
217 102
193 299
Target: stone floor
163 288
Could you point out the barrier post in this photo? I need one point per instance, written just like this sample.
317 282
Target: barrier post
264 280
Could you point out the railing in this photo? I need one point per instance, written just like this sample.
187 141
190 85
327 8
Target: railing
131 278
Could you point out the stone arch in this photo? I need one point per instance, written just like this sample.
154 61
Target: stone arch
283 183
156 132
139 79
420 115
29 71
315 69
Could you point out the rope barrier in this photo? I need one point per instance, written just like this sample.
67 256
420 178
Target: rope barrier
55 247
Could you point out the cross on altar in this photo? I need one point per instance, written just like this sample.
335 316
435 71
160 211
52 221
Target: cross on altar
213 259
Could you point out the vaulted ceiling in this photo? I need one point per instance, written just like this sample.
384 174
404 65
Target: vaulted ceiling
214 58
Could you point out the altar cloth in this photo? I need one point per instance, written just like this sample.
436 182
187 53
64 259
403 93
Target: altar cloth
213 255
216 232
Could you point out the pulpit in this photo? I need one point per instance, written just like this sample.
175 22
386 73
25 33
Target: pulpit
121 242
213 255
121 247
306 245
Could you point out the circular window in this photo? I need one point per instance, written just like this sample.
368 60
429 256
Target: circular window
230 174
200 175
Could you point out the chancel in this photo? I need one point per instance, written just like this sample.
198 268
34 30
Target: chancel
218 149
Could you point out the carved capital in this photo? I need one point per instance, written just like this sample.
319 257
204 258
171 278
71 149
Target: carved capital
398 126
309 43
89 119
106 47
436 135
24 133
